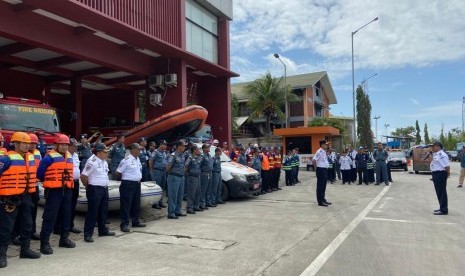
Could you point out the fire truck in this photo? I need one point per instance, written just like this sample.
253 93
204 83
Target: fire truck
27 115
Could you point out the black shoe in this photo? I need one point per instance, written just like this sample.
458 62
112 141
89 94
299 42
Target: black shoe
376 184
359 184
66 243
440 213
221 202
106 234
139 225
211 205
125 229
156 206
323 204
387 184
327 203
437 210
75 230
192 212
29 254
16 241
181 215
88 239
46 249
172 217
205 208
198 210
459 186
162 205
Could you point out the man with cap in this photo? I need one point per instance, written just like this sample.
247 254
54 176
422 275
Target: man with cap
361 164
277 166
84 151
95 179
56 173
76 175
130 173
380 155
440 169
297 163
157 166
265 173
320 162
175 180
41 146
117 153
287 167
17 182
144 159
217 186
193 187
215 143
206 167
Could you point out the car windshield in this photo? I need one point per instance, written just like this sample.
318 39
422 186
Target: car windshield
19 117
397 154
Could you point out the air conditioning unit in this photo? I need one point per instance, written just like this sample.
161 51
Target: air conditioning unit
155 99
171 80
156 80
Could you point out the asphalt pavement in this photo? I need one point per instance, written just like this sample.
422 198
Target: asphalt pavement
369 230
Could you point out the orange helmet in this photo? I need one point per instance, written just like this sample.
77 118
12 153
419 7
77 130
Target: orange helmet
20 137
62 139
34 138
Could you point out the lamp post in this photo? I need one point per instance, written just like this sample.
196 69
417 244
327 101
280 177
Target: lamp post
286 110
376 126
365 80
353 80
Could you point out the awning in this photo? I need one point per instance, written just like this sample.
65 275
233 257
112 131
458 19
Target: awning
241 120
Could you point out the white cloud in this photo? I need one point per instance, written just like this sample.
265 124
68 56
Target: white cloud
443 110
408 33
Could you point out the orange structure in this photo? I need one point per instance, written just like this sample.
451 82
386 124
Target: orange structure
307 136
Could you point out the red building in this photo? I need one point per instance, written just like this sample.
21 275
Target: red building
100 60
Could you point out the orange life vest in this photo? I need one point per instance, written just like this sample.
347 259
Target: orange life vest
37 157
60 171
271 159
277 161
265 163
20 176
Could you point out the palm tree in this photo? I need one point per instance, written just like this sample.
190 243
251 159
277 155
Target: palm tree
267 97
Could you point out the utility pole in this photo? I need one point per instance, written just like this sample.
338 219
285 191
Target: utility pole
376 126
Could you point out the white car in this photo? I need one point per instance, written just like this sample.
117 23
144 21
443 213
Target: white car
150 193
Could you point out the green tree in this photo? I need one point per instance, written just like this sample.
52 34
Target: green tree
427 140
404 131
417 136
267 98
442 138
364 133
234 113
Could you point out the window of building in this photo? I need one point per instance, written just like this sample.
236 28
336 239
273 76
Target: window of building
201 32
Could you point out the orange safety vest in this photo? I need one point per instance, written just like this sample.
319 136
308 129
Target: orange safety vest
3 151
271 159
60 171
37 157
277 161
265 163
20 176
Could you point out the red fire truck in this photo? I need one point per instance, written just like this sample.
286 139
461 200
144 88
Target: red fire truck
19 114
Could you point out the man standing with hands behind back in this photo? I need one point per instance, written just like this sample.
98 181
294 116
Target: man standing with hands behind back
320 162
441 171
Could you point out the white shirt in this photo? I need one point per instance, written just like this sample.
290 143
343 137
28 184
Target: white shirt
96 170
353 154
76 162
345 162
440 161
130 168
321 158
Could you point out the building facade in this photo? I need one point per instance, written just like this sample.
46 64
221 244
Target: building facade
109 63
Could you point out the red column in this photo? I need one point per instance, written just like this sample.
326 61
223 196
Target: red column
76 95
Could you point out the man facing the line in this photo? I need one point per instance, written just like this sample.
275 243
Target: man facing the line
320 161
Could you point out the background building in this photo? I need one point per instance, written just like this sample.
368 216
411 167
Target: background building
113 63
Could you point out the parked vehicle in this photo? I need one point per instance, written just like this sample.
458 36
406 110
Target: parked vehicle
422 157
398 160
453 155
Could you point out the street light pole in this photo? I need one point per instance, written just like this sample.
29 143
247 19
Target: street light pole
376 127
286 110
353 80
365 80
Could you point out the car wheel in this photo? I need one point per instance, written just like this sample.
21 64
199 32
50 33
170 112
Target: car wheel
225 192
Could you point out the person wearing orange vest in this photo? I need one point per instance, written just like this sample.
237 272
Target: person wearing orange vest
265 172
270 155
17 182
56 173
3 150
277 167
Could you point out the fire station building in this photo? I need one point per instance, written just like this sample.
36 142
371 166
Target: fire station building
118 62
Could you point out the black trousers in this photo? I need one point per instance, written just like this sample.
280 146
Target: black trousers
97 209
440 185
22 212
362 175
57 206
34 200
129 194
74 198
321 179
288 177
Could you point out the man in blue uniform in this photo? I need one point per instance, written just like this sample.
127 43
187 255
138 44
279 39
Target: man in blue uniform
217 186
144 159
175 180
84 151
206 166
192 169
117 153
157 166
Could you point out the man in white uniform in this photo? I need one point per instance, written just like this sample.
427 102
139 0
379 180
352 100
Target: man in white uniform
320 162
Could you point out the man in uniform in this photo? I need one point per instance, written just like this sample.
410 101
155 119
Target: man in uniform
287 168
144 159
175 180
84 151
17 182
56 173
95 179
361 163
193 187
73 146
206 167
117 153
277 166
157 166
461 159
217 186
265 171
440 169
320 162
380 155
130 173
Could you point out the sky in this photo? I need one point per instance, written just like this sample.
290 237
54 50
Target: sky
416 49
